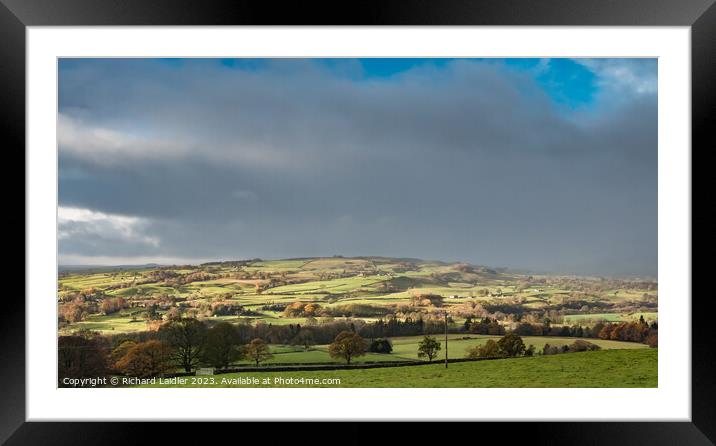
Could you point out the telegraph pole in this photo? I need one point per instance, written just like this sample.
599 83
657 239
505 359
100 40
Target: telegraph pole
446 339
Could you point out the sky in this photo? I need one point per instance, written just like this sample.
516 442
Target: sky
548 165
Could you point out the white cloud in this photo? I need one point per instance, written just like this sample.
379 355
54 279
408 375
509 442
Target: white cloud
637 76
78 222
105 145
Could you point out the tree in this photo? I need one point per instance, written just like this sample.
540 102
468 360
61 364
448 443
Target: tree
511 345
112 305
107 307
257 350
347 345
530 350
605 332
81 356
489 350
381 346
152 314
186 337
174 313
550 350
146 359
311 310
429 347
304 338
121 350
73 312
580 345
221 347
467 323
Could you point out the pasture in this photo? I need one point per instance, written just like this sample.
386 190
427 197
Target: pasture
609 317
263 288
606 368
407 347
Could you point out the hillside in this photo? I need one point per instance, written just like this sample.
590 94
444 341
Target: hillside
366 288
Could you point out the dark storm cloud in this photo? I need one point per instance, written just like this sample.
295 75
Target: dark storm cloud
470 161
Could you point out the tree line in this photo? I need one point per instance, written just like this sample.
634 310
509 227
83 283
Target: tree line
184 344
187 343
638 331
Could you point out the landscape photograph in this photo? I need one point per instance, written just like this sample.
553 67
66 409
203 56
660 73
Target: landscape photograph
374 223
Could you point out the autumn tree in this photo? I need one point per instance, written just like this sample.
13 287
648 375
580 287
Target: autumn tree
257 350
511 345
186 337
146 359
581 345
488 350
112 305
550 350
174 313
472 352
73 312
295 309
120 351
428 347
347 345
311 310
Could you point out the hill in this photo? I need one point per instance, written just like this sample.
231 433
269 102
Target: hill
118 300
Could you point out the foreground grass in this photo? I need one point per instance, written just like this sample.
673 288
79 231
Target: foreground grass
607 368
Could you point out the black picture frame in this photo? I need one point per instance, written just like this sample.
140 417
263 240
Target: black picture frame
16 15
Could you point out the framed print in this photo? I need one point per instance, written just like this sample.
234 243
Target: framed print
361 222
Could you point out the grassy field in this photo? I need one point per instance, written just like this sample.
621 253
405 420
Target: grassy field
609 317
269 295
385 283
292 354
407 347
113 324
607 368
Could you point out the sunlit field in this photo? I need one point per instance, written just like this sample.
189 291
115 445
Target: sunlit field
378 287
609 368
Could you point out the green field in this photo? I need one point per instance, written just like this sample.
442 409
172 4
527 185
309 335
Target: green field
385 286
407 347
269 299
607 368
318 354
609 317
113 324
